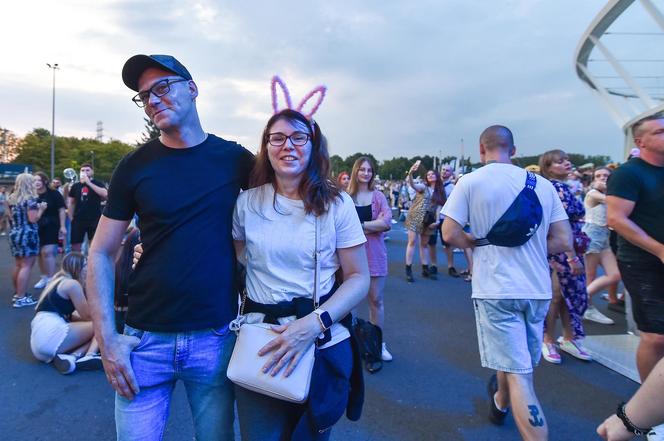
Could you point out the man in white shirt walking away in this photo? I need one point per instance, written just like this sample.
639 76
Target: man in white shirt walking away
511 285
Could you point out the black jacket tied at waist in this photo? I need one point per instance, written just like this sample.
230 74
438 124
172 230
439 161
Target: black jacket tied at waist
298 307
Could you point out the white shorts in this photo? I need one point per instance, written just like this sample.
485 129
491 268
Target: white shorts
49 330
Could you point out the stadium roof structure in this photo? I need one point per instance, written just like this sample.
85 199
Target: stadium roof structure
621 58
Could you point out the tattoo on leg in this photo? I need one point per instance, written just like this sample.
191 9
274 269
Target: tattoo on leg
535 421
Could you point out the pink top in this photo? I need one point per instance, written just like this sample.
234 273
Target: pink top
375 245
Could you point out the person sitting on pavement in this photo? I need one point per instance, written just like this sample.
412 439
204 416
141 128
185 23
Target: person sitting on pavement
62 330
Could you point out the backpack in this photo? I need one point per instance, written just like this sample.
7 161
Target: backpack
521 220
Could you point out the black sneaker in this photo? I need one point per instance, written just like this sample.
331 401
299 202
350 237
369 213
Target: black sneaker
90 363
452 272
409 274
496 416
433 272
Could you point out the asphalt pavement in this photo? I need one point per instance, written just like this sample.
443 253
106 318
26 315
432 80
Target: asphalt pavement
435 389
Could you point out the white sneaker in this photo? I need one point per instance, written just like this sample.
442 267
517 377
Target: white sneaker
594 315
574 348
64 363
24 301
656 434
43 281
385 354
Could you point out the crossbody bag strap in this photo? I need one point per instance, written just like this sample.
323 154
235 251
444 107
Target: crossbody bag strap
316 263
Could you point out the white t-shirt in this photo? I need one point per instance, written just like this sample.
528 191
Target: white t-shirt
480 198
280 245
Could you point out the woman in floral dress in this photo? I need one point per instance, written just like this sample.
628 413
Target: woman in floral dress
570 298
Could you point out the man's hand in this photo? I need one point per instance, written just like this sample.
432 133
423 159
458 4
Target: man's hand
138 252
117 365
84 178
612 429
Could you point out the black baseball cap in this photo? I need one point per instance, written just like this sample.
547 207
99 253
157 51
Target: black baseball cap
136 65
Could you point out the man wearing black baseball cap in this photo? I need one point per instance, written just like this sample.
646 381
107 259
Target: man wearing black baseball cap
178 314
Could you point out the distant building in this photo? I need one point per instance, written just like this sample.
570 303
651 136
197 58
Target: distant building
8 172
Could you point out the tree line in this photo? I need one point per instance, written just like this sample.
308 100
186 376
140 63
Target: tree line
70 152
396 168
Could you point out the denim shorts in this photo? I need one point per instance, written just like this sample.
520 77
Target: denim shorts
599 237
509 333
645 284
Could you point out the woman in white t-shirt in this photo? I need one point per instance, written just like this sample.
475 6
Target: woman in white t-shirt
599 251
274 234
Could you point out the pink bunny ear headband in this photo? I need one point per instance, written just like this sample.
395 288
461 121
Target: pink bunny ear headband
320 90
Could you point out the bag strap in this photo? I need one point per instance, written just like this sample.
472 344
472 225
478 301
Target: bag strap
316 263
531 183
235 324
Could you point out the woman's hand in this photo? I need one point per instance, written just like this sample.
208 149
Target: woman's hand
576 266
289 347
414 167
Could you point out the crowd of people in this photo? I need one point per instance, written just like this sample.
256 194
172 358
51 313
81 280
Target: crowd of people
533 239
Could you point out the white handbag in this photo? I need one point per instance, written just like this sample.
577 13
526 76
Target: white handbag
244 368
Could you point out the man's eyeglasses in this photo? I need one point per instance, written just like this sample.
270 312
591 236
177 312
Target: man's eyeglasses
161 88
278 139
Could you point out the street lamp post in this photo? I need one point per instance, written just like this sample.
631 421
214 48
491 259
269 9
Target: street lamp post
54 67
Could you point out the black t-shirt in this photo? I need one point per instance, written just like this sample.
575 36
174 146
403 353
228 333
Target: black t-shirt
184 199
88 202
55 202
643 183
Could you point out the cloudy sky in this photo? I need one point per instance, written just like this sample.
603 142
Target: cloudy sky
404 77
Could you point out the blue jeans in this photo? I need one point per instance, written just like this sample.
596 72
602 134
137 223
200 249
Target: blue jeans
199 359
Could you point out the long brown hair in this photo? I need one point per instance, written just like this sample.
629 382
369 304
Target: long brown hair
316 189
353 188
438 195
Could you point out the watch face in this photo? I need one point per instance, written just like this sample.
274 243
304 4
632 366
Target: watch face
326 319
